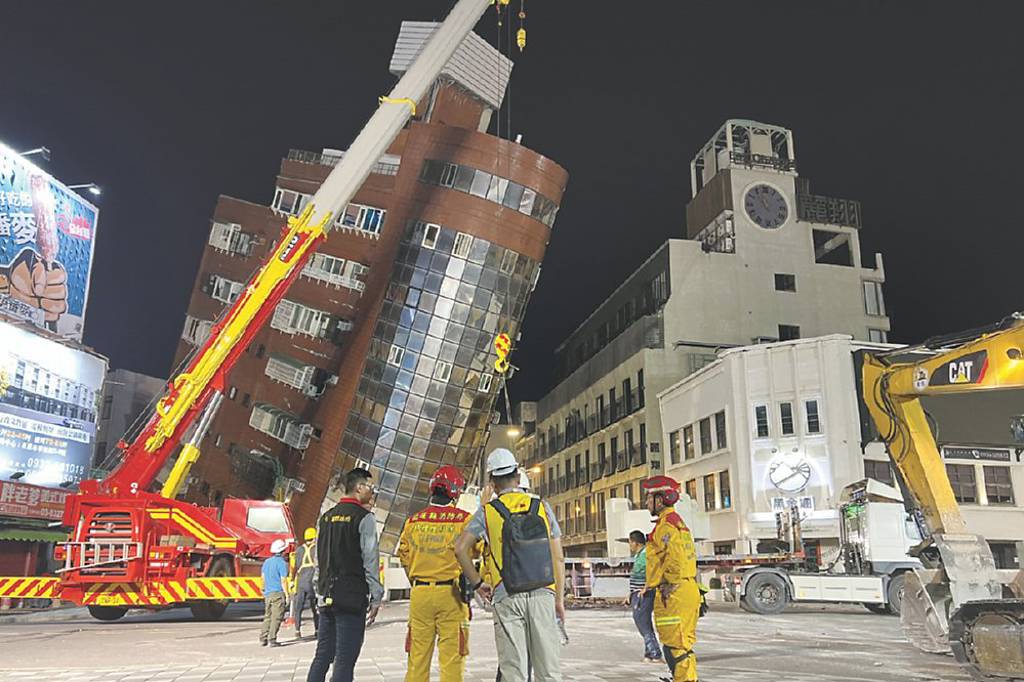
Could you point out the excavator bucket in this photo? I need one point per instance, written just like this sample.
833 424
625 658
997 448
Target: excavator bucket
923 610
988 638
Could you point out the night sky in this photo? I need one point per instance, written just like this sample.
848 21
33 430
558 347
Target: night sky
912 109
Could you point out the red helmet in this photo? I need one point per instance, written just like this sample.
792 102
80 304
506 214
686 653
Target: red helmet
449 480
665 486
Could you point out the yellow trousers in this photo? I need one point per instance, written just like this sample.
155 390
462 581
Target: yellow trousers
436 612
675 619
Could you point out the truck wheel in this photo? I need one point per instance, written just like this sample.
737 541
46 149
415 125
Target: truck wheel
895 594
766 594
107 613
210 609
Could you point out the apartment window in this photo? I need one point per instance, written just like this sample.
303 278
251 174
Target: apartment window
615 453
508 262
673 447
813 420
430 234
224 289
586 466
602 461
878 470
788 332
642 453
442 370
689 451
878 335
627 492
724 491
229 237
786 416
196 331
705 436
295 318
395 356
290 202
485 383
874 304
640 387
691 489
998 486
448 172
588 506
761 420
462 245
720 435
965 487
709 492
785 282
325 268
366 218
289 371
600 511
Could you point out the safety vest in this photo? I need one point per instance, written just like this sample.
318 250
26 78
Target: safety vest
516 502
427 544
307 557
671 555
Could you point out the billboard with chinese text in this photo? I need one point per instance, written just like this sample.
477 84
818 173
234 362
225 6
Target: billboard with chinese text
47 234
32 501
48 408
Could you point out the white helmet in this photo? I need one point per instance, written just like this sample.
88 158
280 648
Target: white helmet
278 546
524 480
501 462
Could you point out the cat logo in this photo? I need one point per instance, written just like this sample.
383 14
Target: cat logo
961 372
966 369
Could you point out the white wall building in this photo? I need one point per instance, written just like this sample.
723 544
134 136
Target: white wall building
764 260
763 424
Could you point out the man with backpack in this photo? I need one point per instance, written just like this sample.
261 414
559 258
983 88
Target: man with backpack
523 573
436 607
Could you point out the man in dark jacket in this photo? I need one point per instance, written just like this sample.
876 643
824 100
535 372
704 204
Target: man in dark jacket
347 579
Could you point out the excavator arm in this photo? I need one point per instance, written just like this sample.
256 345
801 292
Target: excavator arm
957 603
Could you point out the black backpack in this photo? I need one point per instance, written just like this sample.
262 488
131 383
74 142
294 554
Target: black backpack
525 549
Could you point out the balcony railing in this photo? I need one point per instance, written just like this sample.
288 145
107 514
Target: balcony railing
580 428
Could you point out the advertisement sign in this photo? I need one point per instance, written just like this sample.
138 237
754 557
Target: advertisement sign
32 501
48 402
47 234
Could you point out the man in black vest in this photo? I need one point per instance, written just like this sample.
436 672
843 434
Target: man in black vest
348 563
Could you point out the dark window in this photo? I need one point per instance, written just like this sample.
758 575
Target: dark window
602 460
788 332
724 492
998 486
813 421
1005 554
761 416
785 282
688 447
108 403
880 471
627 492
640 387
705 436
832 248
691 489
961 477
709 492
588 512
600 511
673 447
723 548
720 435
786 415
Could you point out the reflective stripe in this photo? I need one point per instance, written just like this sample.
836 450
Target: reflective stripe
668 620
307 558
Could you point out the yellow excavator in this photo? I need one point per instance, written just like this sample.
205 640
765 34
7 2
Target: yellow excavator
956 602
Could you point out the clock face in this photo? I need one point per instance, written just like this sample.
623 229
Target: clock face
790 476
766 207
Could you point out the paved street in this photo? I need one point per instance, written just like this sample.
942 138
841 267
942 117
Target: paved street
830 644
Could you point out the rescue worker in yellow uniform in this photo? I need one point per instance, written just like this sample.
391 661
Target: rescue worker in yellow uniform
436 609
672 572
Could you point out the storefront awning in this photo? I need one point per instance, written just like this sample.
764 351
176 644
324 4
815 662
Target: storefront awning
32 535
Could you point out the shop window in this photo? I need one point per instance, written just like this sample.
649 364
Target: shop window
709 492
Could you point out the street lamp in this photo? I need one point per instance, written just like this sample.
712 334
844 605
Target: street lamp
93 188
42 151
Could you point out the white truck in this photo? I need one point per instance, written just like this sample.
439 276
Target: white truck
875 530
